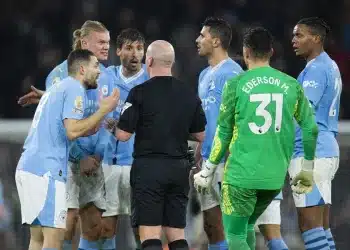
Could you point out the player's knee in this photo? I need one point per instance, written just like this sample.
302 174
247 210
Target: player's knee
92 233
108 229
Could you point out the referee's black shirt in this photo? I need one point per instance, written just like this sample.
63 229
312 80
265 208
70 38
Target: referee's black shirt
162 112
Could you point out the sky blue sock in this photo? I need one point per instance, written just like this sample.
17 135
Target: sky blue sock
108 244
277 244
222 245
315 239
330 239
67 245
88 245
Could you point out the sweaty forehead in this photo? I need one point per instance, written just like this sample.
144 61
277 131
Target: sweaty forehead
206 31
301 28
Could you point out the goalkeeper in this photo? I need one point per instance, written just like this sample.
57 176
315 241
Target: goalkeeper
256 122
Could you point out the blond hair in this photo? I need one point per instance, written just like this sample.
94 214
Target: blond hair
88 27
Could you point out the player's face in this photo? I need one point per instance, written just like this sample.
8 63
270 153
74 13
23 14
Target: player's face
131 55
204 42
92 72
303 41
97 43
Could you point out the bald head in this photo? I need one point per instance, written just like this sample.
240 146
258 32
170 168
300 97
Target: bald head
162 53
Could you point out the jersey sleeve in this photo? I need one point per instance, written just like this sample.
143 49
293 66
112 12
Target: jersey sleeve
224 130
130 113
305 117
314 84
74 103
54 77
212 108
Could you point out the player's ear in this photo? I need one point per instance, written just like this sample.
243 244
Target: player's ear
118 52
272 52
83 43
216 42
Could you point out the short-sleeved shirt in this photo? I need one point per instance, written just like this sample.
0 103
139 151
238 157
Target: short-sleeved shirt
162 113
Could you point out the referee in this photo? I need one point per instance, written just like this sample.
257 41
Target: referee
163 112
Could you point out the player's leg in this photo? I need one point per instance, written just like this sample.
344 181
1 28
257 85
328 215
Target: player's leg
52 217
117 179
210 204
175 204
269 224
326 212
237 205
92 204
310 206
147 201
72 187
36 238
43 204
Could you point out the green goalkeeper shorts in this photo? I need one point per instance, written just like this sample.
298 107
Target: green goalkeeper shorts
243 202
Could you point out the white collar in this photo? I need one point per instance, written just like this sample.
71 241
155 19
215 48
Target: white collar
131 78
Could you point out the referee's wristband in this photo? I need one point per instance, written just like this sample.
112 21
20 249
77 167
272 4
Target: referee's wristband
308 165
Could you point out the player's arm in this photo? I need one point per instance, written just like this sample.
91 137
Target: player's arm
129 117
33 97
74 123
304 115
303 181
314 84
224 131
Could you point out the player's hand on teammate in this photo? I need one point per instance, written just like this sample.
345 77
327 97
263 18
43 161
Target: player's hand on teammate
302 183
89 165
204 178
33 97
109 103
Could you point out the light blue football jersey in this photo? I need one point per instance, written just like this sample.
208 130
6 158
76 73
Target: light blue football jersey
210 86
322 84
46 146
105 88
124 150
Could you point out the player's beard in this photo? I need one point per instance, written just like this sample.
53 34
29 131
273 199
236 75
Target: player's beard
91 84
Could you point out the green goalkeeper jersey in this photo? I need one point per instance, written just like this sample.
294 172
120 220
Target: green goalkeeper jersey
256 122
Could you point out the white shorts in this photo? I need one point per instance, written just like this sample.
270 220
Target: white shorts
272 214
117 181
82 190
43 201
212 199
324 171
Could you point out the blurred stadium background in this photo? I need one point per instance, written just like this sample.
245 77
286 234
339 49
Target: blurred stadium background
36 36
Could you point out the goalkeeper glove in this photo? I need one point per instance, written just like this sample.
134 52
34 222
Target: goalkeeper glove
302 183
204 178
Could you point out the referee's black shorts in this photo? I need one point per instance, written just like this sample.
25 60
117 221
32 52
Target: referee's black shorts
159 190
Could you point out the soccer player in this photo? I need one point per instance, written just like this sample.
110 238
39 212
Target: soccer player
95 37
256 123
322 84
42 169
131 72
213 43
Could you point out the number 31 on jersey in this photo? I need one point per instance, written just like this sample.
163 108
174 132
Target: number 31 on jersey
265 100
